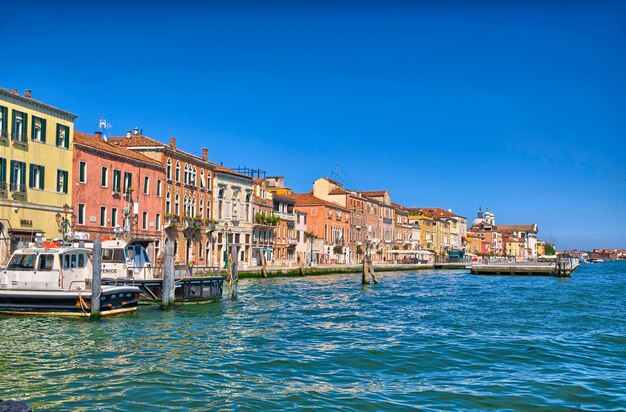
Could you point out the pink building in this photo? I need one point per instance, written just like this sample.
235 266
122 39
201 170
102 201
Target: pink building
117 191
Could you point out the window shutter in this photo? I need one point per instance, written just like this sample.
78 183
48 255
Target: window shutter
58 142
23 173
25 126
65 174
31 176
3 170
67 138
43 130
42 177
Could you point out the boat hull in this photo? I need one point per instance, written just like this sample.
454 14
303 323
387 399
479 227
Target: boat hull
113 301
188 289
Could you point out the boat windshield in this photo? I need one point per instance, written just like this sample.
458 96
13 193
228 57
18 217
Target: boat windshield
22 262
113 255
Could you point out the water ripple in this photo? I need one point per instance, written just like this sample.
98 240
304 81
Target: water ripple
441 340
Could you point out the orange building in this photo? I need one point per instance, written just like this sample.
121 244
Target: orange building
329 222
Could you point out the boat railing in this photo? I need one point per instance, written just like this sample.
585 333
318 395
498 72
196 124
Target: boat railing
188 271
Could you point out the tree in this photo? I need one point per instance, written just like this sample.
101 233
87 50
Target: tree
549 249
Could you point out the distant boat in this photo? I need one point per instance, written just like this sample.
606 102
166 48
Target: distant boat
596 260
50 279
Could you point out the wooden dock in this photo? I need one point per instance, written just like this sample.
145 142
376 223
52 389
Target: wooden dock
562 267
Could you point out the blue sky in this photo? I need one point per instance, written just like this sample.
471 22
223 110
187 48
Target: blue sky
519 109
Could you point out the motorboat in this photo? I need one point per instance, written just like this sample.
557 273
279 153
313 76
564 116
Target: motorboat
50 278
128 263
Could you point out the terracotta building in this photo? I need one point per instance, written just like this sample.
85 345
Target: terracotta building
117 192
187 197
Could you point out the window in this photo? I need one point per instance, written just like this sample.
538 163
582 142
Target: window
81 214
38 133
157 221
168 203
37 176
103 216
113 217
158 188
62 179
168 169
128 181
63 136
146 185
117 181
144 220
45 262
4 121
104 180
18 176
177 204
3 173
82 172
178 171
20 125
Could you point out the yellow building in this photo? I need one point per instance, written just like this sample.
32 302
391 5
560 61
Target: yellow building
35 169
429 239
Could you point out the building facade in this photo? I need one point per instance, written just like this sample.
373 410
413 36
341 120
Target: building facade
35 170
117 191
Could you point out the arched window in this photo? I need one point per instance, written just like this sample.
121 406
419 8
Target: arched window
185 206
186 175
220 204
178 171
194 173
168 169
201 211
177 204
168 203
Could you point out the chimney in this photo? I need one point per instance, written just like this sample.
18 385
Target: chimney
173 143
128 134
99 135
205 154
28 93
14 91
136 131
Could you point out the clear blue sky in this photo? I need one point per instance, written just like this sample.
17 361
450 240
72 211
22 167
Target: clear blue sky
520 109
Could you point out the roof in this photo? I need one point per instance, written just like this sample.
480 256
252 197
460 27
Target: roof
94 142
29 100
226 170
517 228
139 140
375 193
260 200
338 191
257 180
436 212
307 199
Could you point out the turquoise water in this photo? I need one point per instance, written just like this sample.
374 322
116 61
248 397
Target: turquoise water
440 340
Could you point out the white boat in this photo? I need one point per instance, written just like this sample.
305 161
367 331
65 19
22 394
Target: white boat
50 279
127 263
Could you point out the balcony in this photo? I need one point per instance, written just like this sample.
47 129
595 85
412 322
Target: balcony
289 217
18 188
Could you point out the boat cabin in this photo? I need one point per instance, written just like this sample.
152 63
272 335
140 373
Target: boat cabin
121 259
41 268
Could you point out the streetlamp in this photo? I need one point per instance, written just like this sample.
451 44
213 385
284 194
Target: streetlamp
63 222
311 236
225 245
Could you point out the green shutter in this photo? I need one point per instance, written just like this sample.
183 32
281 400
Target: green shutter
23 173
58 142
43 130
42 177
3 170
25 126
31 176
65 181
67 137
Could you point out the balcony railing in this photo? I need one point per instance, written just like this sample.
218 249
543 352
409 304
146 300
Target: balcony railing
3 186
18 188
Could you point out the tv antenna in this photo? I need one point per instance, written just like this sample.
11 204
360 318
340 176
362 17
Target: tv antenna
104 125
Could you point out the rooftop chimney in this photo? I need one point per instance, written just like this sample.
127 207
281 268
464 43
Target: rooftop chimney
136 131
14 91
99 135
28 93
205 153
173 143
128 134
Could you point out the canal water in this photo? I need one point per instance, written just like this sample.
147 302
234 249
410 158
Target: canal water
436 340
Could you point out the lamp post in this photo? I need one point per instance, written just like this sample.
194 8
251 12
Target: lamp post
311 236
63 222
225 245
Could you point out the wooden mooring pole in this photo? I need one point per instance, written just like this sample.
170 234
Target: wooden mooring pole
263 265
167 293
96 279
235 259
